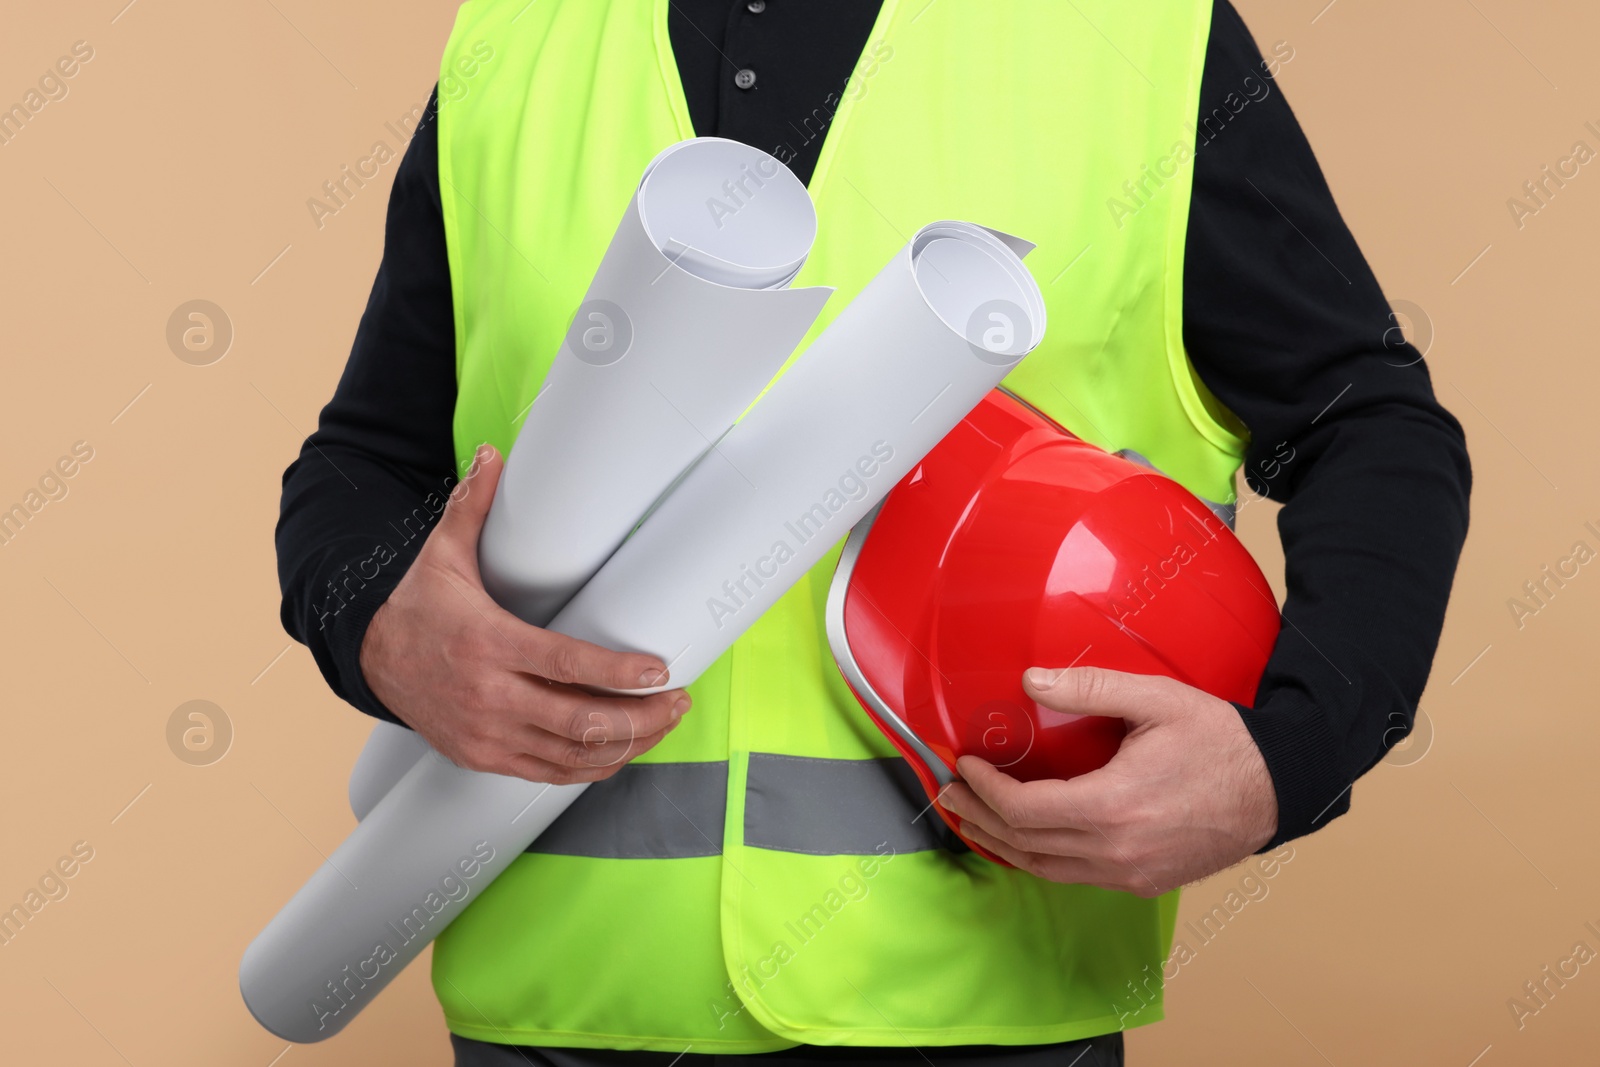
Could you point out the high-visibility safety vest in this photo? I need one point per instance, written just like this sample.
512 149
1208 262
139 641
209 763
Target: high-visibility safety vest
770 874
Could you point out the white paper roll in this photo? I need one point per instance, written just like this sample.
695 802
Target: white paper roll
872 395
938 327
422 854
389 753
684 323
687 318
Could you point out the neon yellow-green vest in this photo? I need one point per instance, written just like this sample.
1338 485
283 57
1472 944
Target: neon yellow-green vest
763 877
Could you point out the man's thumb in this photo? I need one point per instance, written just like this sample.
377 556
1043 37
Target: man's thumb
1097 691
471 497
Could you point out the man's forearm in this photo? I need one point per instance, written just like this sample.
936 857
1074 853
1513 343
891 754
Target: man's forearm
1382 509
1287 326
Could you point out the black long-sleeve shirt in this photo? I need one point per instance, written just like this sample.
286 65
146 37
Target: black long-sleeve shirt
1283 320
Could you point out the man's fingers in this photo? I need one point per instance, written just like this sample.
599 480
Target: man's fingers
580 718
535 769
985 840
961 800
1138 698
586 754
573 662
1031 805
591 720
571 731
614 754
527 750
1069 870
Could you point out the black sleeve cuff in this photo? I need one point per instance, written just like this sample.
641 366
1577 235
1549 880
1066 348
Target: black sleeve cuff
335 624
344 645
1293 736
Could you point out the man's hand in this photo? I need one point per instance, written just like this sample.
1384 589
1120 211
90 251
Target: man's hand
487 690
1186 795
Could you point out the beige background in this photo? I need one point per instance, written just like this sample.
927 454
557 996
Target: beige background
178 167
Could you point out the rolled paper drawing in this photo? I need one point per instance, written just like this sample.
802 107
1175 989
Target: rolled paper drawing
899 367
389 753
938 327
688 316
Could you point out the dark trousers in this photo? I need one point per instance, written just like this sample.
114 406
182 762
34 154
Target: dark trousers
1103 1051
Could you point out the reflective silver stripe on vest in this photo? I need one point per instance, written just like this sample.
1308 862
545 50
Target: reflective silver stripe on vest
839 807
645 811
825 807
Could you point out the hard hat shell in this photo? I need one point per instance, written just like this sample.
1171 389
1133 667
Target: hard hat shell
1014 544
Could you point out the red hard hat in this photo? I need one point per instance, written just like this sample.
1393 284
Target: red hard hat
1014 544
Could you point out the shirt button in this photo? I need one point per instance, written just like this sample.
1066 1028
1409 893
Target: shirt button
745 78
756 7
